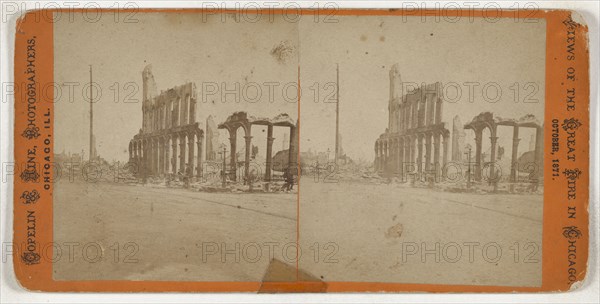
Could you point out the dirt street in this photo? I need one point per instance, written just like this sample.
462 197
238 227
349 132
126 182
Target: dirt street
348 232
149 233
394 233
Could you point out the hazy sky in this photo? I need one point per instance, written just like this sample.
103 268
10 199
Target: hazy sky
211 52
504 52
264 56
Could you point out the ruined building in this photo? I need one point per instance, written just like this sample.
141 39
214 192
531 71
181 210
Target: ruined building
170 139
416 139
487 120
458 139
245 121
212 140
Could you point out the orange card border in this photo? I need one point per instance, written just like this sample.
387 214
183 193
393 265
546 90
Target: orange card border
559 229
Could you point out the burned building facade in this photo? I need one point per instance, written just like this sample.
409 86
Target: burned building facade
243 120
488 120
416 140
170 139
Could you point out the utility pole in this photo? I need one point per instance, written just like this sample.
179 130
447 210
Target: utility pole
223 175
91 118
337 114
469 167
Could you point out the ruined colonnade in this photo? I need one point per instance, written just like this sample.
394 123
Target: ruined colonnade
245 121
416 140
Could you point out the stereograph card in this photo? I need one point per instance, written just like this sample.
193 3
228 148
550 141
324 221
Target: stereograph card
326 150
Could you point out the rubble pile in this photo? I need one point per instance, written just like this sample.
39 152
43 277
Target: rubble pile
212 185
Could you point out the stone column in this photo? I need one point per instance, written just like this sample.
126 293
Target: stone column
156 155
248 139
159 115
411 115
381 155
167 160
382 159
148 153
392 156
192 116
140 161
385 155
161 156
168 114
438 111
400 117
183 111
514 155
191 147
397 159
182 166
408 115
137 157
164 115
176 121
405 120
478 137
445 153
375 165
269 159
155 150
422 107
436 155
404 116
144 116
430 111
427 152
401 157
145 160
415 114
413 151
174 140
407 160
419 159
151 154
199 141
233 165
493 140
153 118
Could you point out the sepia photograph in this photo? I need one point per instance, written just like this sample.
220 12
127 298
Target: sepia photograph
419 158
183 165
339 151
426 163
